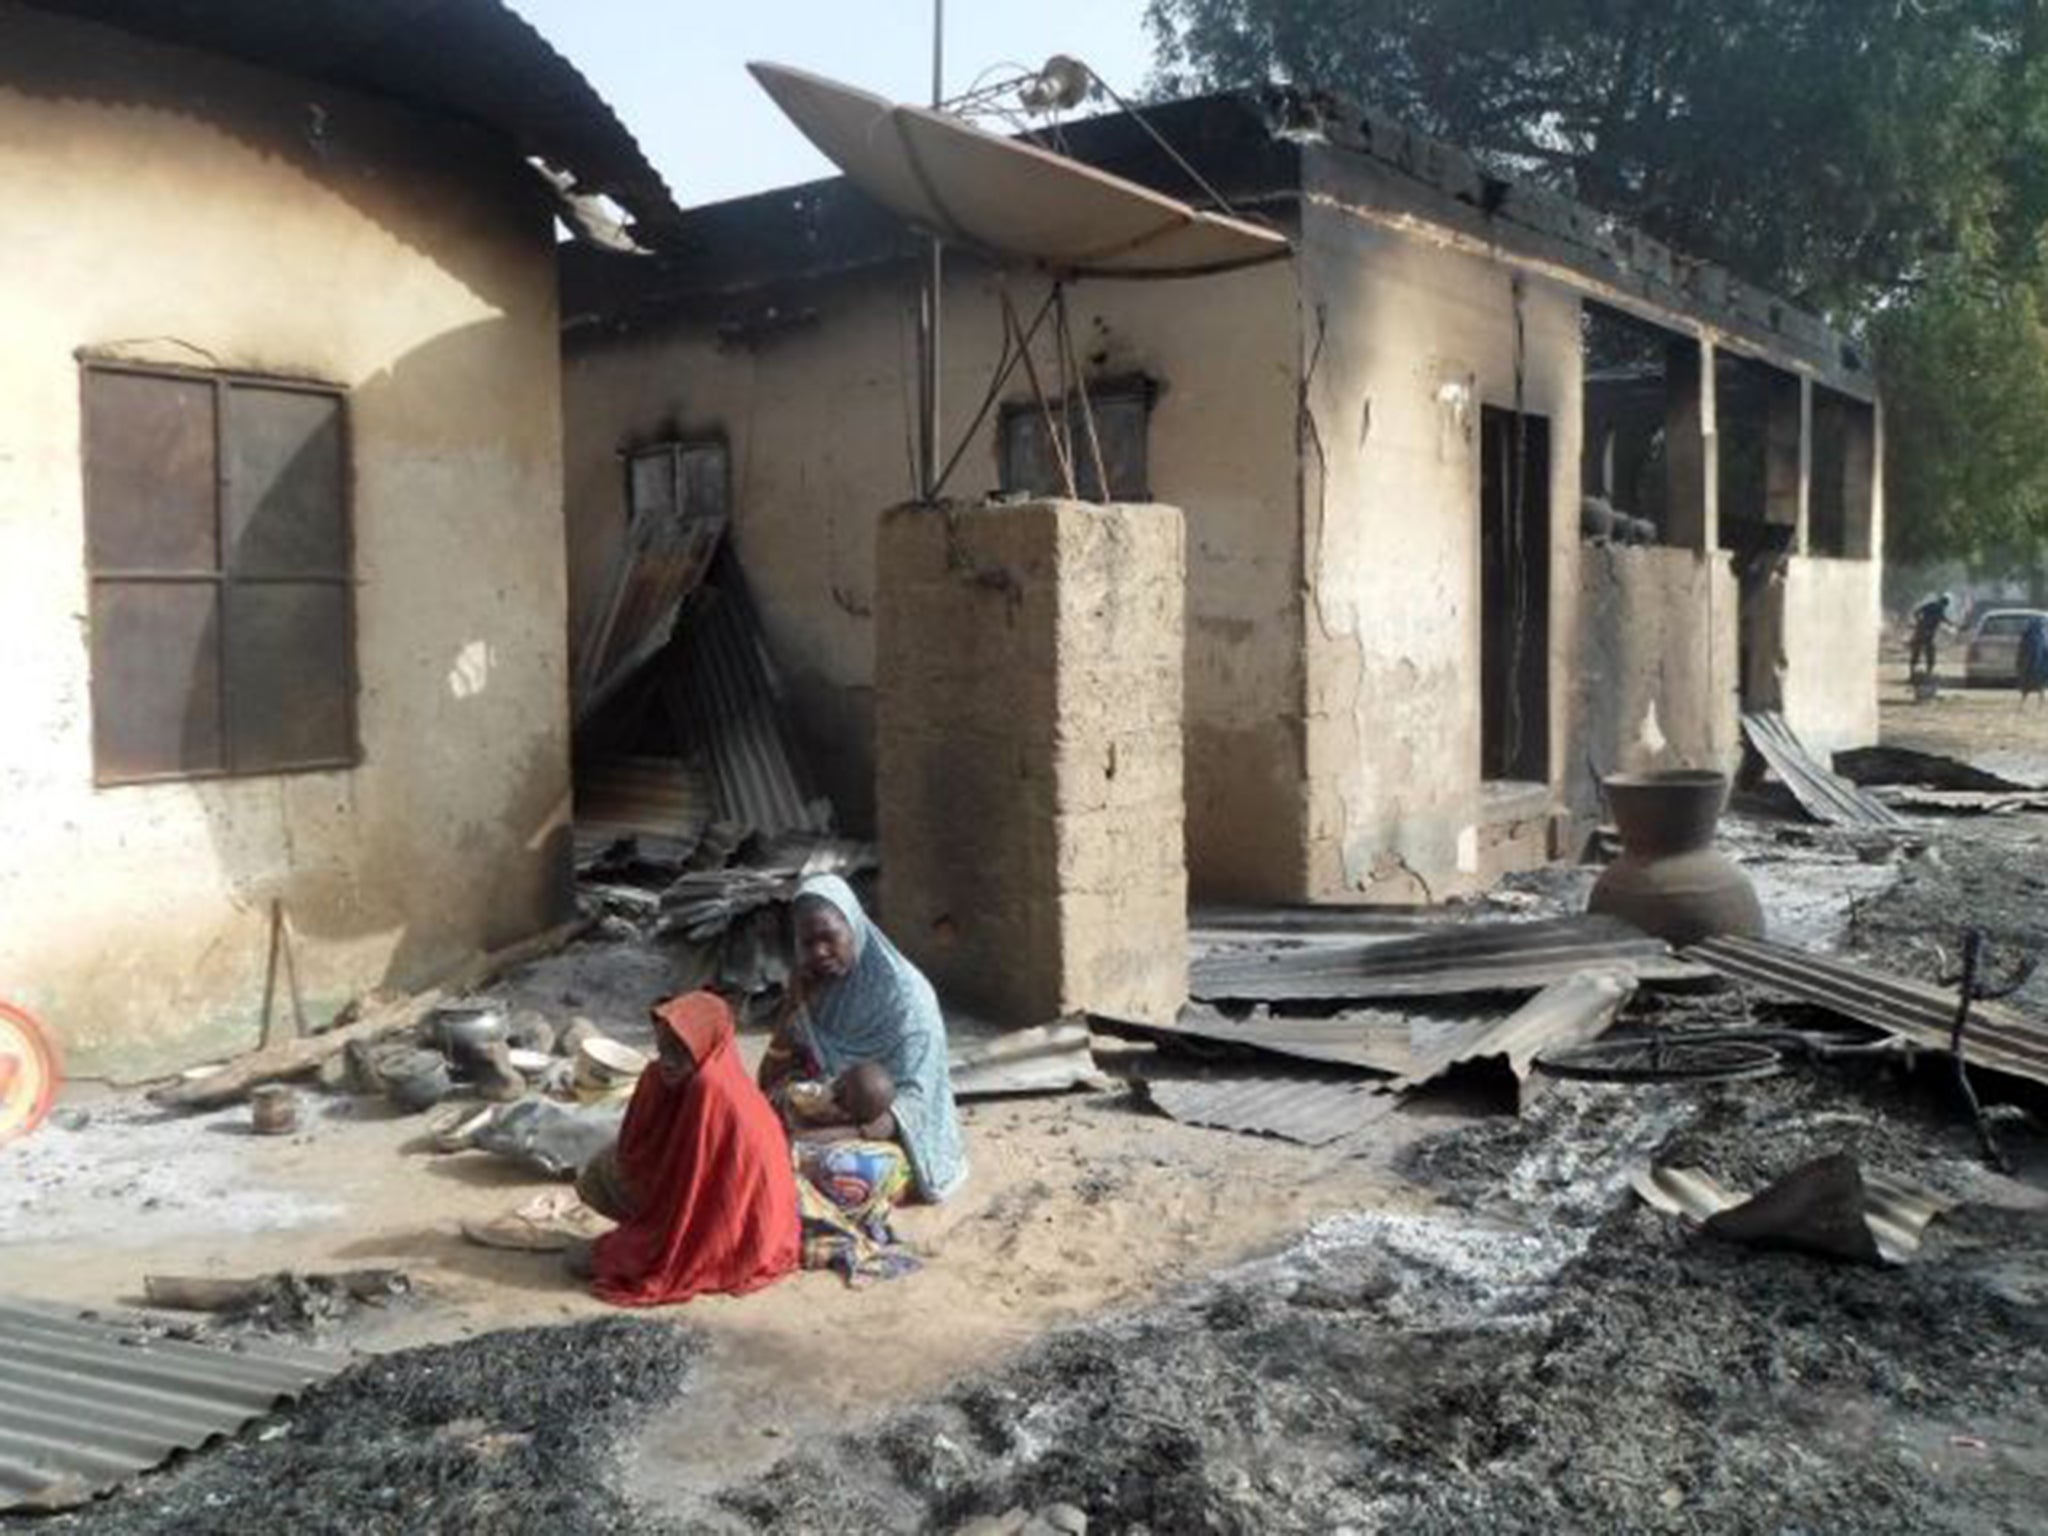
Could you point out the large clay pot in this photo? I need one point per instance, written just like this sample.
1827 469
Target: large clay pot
1671 880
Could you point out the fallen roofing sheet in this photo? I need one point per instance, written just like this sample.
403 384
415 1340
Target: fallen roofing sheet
640 796
1211 926
1822 794
1924 770
724 698
1966 802
1047 1058
1829 1205
1294 1103
704 902
663 560
1998 1038
474 59
87 1402
1459 959
1377 1040
1568 1012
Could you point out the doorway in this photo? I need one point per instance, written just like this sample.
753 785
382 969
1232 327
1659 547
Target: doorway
1514 596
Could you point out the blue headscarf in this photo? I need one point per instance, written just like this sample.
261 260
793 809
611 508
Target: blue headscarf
884 1010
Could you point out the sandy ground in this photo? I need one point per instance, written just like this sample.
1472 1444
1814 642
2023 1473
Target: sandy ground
1077 1204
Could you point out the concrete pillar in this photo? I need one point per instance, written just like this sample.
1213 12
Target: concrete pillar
1691 457
1028 705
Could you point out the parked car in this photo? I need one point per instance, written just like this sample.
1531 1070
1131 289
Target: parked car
1993 657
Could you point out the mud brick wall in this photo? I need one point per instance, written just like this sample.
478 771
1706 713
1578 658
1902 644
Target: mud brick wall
1029 678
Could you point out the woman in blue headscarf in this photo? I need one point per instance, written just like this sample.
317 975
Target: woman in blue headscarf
857 1000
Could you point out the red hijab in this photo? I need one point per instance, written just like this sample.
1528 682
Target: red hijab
708 1164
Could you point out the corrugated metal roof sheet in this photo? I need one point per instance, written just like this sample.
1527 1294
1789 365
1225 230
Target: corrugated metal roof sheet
1293 1103
1047 1058
1369 1039
86 1402
473 59
626 796
1895 1212
1466 958
1999 1038
726 700
1567 1012
661 563
1823 795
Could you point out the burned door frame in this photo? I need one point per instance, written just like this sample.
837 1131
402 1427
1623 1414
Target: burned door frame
1514 533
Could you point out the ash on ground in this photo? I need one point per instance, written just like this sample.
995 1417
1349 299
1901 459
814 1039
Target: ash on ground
1539 1353
511 1432
1996 883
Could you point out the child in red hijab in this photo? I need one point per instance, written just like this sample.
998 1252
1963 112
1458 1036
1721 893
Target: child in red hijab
704 1161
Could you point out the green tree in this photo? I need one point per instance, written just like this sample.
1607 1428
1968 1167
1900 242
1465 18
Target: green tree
1884 161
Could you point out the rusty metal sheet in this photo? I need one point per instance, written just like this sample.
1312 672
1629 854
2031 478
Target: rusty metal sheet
156 699
1565 1013
1296 1103
151 472
1999 1038
86 1402
476 60
1824 795
629 796
1459 959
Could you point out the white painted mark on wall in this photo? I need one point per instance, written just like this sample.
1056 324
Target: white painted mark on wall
471 673
1468 850
1651 737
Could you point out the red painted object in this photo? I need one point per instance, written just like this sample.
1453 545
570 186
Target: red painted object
29 1074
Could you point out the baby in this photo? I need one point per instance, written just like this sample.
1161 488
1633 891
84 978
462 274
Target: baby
854 1104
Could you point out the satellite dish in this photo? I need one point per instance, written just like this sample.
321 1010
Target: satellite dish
1014 202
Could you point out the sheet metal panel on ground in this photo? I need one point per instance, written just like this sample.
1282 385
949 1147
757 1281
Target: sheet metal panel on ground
1460 959
87 1402
1366 1039
1998 1038
1295 1103
1896 1213
1823 795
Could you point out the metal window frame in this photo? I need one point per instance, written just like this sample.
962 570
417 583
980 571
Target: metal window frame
224 382
1141 389
674 449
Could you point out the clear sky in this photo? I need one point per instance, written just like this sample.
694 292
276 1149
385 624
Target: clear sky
676 74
